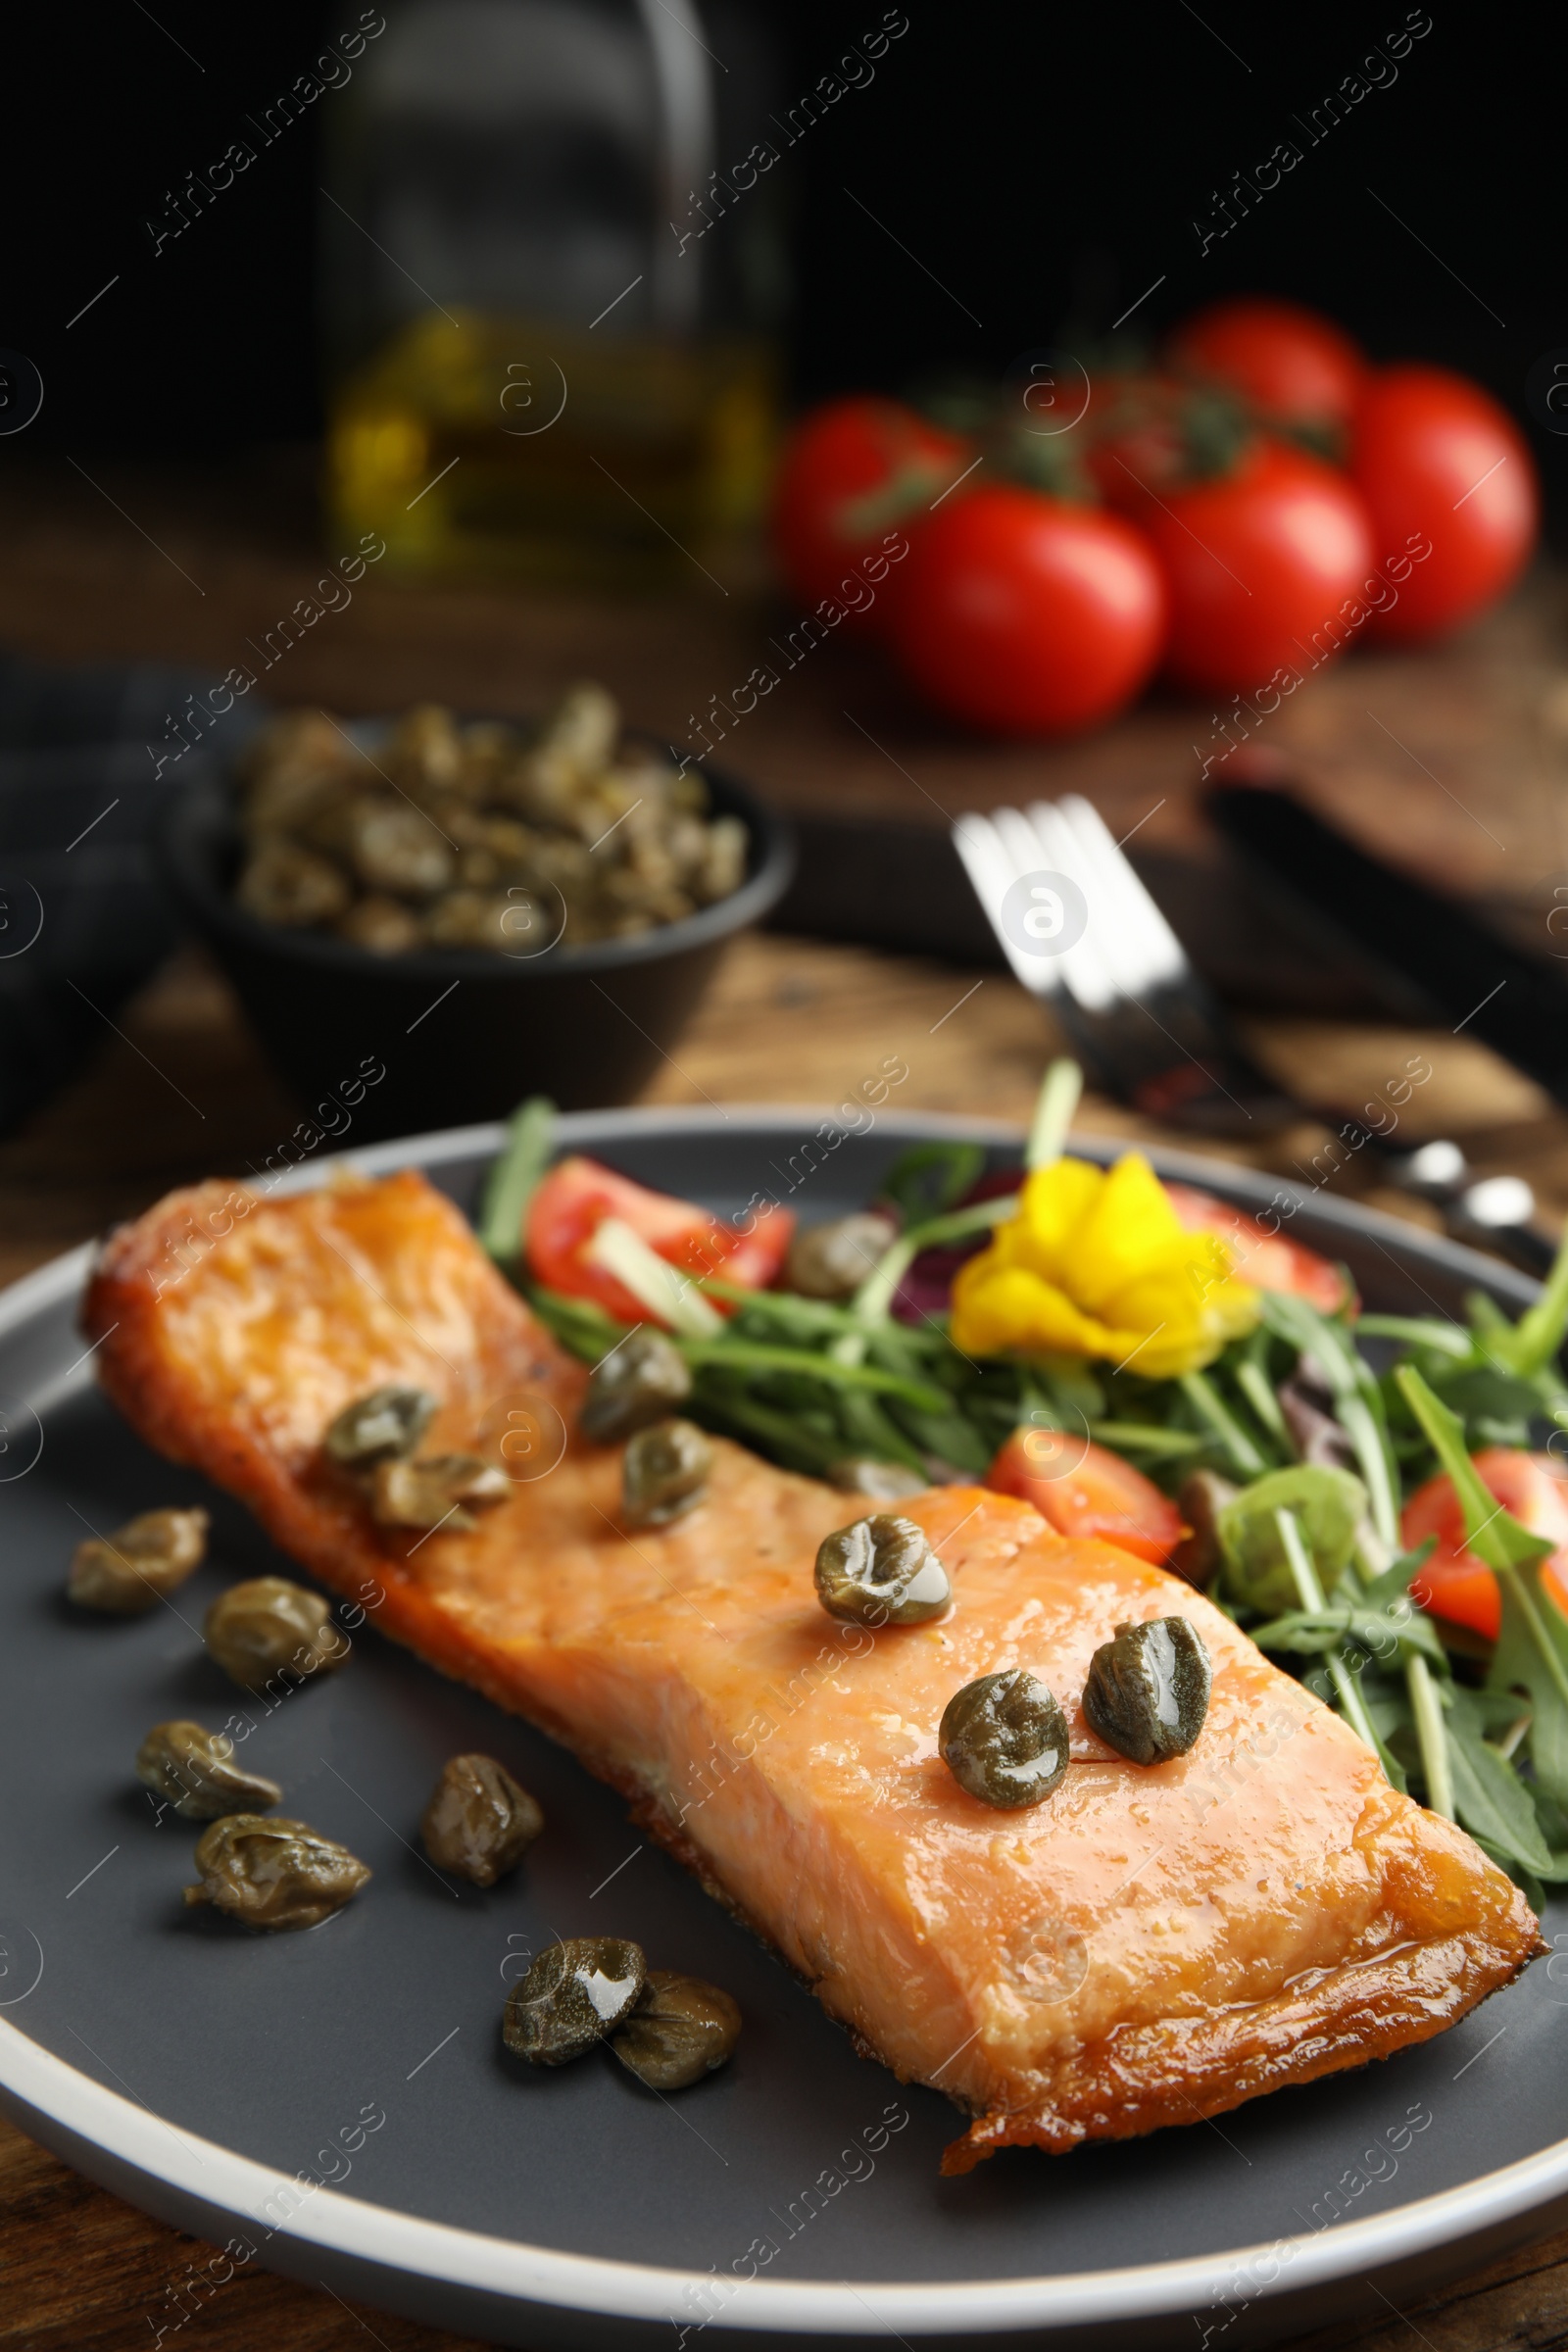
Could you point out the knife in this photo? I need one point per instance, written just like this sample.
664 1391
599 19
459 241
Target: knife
1485 987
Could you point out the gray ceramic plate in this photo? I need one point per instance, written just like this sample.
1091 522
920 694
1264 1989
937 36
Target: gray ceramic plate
336 2105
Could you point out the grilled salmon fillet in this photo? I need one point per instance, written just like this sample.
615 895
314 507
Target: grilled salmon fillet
1148 1947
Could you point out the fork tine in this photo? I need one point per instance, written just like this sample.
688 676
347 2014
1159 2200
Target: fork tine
1088 967
1165 957
1120 937
1132 1004
989 864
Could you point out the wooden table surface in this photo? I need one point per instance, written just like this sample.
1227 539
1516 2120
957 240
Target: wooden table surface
788 1020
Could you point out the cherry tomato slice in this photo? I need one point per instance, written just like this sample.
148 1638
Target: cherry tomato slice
576 1196
1265 1259
1085 1490
1456 1584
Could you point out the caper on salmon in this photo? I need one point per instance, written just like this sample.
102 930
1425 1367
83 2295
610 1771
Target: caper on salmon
639 1382
382 1427
196 1771
443 1490
664 1472
881 1571
266 1626
1004 1739
1148 1689
680 2029
275 1874
574 1993
480 1821
831 1261
140 1563
882 1482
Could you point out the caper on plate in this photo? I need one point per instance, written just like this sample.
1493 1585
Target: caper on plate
479 1822
273 1874
831 1261
680 2029
140 1563
196 1771
1004 1739
881 1571
267 1626
1148 1689
574 1994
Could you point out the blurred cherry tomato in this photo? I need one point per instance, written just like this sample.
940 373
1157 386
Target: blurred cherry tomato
854 470
1267 1260
1290 364
1456 1584
1440 463
1085 1490
1025 615
573 1201
1258 563
1137 439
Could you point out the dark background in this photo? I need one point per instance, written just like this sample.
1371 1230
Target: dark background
1044 163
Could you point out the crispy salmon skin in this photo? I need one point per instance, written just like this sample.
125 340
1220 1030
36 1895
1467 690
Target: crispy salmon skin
1148 1947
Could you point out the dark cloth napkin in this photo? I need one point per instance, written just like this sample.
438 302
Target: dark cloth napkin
83 917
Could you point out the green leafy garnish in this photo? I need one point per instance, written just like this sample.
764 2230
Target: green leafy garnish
926 1181
512 1179
1327 1507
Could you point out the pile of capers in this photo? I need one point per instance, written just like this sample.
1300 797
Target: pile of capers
477 836
667 2028
374 1441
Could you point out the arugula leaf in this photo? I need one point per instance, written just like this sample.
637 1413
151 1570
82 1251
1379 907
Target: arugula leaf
1430 1332
1483 1391
1492 1800
950 1436
1311 1630
1397 1577
1357 1400
1519 1663
1532 1652
577 1323
1530 1347
928 1179
1061 1091
513 1179
1492 1534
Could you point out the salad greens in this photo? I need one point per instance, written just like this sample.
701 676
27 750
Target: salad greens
1310 1432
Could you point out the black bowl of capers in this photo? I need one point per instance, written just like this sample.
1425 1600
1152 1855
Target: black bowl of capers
426 919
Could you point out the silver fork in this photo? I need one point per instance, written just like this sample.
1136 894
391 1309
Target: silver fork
1082 933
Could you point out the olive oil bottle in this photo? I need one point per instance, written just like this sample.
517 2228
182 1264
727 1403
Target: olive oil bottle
550 316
